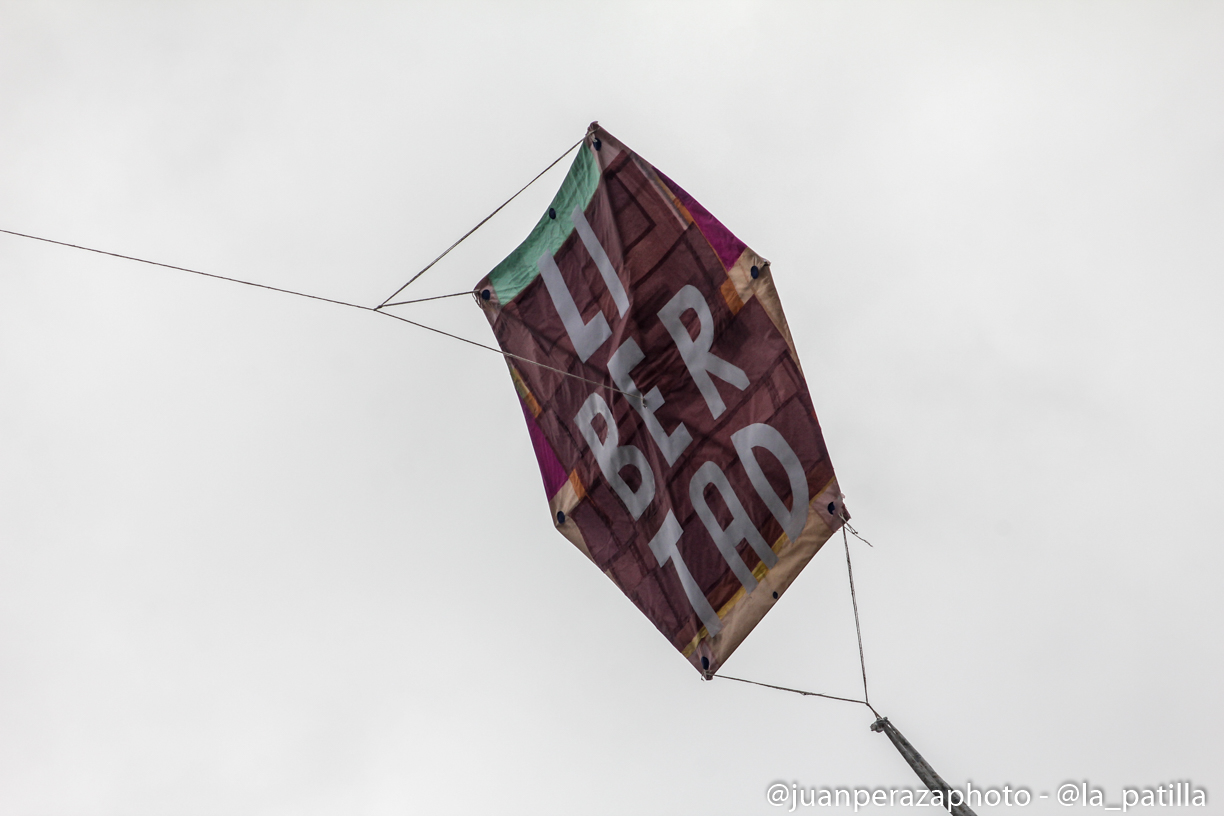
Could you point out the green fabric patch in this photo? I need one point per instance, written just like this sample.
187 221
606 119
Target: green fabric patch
512 275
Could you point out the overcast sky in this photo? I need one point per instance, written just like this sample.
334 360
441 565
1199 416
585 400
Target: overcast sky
266 555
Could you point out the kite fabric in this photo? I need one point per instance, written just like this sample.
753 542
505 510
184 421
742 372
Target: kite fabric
680 450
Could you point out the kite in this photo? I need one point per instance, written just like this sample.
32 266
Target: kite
664 399
675 435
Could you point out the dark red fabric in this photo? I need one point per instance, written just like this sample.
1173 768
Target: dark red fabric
655 255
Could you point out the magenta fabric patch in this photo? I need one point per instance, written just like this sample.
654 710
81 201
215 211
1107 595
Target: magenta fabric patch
551 471
726 246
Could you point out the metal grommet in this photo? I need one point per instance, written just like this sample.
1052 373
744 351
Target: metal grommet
552 213
832 508
485 294
560 516
598 144
755 272
775 596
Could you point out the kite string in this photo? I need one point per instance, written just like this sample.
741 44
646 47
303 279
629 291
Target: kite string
382 305
797 691
185 269
854 532
422 300
507 354
386 303
933 781
483 221
370 309
857 629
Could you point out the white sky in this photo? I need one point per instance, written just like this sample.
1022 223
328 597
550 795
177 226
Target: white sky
263 555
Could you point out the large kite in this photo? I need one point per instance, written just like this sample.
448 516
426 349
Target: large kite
675 434
673 427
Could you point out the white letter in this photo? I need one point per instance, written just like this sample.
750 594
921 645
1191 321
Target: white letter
619 366
601 260
612 457
586 337
663 545
696 353
763 436
740 528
